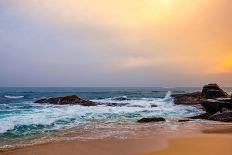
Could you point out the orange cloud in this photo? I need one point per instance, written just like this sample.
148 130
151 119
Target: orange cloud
223 67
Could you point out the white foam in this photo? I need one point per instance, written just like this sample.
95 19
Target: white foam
13 97
49 114
165 106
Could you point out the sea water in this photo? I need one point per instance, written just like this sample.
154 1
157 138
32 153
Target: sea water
23 122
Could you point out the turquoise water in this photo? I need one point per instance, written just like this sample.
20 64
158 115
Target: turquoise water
21 118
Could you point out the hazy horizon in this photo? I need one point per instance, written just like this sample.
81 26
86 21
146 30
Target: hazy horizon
111 86
108 43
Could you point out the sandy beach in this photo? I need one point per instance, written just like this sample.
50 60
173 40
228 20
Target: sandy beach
212 144
207 142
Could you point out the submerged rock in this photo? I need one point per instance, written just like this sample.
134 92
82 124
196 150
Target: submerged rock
151 119
201 116
184 120
153 105
66 100
121 98
223 117
113 104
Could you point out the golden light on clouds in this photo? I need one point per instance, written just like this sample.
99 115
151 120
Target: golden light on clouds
138 62
223 67
180 29
192 36
120 12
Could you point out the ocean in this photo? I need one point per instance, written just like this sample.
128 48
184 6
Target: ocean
23 122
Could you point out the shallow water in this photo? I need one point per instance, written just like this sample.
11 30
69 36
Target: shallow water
24 122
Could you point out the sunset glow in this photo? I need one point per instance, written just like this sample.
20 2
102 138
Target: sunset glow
181 38
224 67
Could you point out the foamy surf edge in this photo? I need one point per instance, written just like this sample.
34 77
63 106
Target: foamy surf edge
13 97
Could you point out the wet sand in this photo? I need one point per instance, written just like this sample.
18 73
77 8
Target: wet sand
98 147
212 144
207 141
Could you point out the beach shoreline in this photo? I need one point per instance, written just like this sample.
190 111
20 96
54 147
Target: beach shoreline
195 142
148 122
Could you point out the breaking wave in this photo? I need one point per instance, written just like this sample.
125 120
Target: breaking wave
27 118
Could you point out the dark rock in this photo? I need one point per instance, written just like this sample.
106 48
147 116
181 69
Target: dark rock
151 119
201 116
213 106
153 105
66 100
213 100
225 99
44 100
187 99
212 91
184 120
223 117
121 98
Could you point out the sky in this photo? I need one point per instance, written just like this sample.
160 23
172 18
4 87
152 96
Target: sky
108 43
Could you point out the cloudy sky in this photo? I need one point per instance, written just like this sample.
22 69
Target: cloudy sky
115 42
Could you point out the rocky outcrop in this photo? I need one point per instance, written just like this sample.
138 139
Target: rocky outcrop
222 117
216 102
212 91
212 98
213 106
73 99
187 99
151 119
66 100
201 116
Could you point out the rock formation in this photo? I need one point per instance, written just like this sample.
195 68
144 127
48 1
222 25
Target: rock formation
151 119
210 91
213 106
187 99
216 102
66 100
223 117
